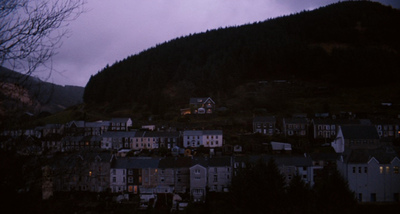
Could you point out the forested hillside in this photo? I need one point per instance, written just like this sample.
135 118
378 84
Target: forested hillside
349 44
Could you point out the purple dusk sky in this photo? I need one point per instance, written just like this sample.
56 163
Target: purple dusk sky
113 30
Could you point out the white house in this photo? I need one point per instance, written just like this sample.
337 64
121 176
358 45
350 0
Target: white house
373 175
198 182
118 177
206 138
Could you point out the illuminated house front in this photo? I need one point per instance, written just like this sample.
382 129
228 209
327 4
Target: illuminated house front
201 105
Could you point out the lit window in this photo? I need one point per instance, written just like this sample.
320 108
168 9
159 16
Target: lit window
381 169
387 170
90 173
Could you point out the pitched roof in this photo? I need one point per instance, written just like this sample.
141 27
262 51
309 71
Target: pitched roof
120 119
280 146
263 119
180 162
295 120
279 160
202 132
119 134
384 155
359 132
78 123
135 163
199 100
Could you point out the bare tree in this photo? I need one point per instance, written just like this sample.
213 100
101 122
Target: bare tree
32 30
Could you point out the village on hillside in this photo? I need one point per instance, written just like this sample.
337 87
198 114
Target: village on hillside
111 156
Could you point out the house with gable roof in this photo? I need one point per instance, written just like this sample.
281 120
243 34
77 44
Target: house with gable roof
356 136
96 128
120 124
75 128
264 125
295 126
198 180
372 174
117 140
201 105
387 128
174 175
219 173
206 138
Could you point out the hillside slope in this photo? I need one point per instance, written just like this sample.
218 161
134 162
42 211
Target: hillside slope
20 94
352 44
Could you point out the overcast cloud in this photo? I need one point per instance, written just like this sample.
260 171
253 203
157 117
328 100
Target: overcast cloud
112 30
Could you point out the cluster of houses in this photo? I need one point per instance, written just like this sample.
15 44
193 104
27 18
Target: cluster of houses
114 135
191 177
365 154
93 155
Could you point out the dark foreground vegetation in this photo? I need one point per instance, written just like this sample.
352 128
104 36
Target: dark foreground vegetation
258 188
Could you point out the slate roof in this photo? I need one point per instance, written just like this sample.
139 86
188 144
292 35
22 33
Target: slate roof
120 120
279 160
202 132
119 134
384 155
199 100
295 120
180 162
135 163
260 119
78 123
97 124
359 132
276 146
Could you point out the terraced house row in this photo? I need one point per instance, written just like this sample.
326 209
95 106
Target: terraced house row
193 176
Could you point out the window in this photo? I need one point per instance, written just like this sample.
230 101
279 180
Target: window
365 169
387 170
114 179
215 178
354 169
373 197
90 173
130 179
197 171
381 170
396 170
359 169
